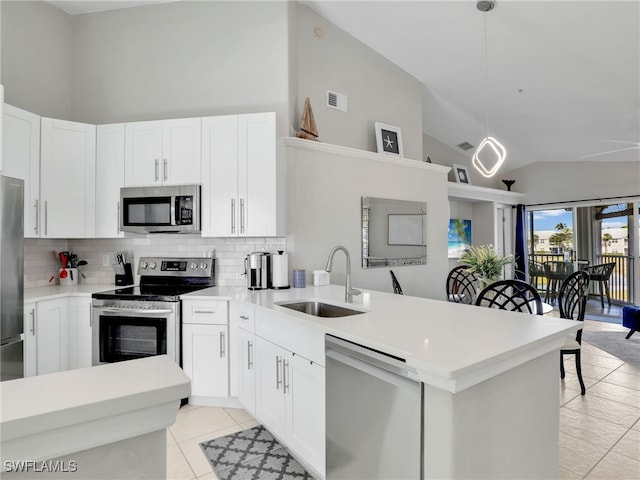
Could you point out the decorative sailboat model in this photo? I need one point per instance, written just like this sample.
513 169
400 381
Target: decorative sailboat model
308 129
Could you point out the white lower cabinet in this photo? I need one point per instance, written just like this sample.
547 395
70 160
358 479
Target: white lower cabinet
246 369
205 349
46 336
290 400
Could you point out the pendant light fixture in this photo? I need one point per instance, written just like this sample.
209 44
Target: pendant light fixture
490 154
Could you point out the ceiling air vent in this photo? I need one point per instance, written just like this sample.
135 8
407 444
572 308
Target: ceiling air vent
465 146
337 101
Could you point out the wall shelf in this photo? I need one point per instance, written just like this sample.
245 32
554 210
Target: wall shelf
474 193
302 144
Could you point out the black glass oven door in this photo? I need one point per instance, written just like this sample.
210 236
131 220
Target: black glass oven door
127 338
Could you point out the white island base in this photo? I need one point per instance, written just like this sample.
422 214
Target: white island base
103 422
503 428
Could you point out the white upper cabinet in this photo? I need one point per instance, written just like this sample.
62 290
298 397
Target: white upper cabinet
163 152
109 179
240 176
21 157
67 172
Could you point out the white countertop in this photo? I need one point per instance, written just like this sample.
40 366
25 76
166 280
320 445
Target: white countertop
452 346
58 291
95 406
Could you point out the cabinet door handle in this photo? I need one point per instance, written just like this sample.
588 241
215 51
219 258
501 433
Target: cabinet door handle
278 379
37 211
46 217
222 345
244 317
32 314
233 215
164 169
157 169
285 371
242 215
249 352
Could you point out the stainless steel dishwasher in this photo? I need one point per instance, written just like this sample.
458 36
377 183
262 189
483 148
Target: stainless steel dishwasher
374 423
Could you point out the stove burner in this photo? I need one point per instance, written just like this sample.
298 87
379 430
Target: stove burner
175 277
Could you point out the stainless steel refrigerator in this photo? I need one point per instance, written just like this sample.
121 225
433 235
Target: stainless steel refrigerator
11 278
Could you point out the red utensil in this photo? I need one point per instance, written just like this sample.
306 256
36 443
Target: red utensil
63 259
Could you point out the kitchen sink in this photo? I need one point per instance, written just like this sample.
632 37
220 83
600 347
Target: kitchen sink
320 309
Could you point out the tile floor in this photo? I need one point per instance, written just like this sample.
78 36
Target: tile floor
599 433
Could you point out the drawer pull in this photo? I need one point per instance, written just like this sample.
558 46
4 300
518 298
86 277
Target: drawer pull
244 317
203 312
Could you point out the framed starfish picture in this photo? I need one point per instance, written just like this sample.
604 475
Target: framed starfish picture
388 139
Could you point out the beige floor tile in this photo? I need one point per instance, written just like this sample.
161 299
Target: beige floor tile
188 408
636 426
238 414
628 380
567 394
593 371
170 439
249 424
564 474
615 467
579 456
605 409
209 476
600 361
571 380
177 466
200 421
629 445
618 393
628 368
193 453
595 430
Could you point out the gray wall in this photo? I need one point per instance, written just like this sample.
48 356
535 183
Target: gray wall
377 90
325 189
544 182
157 61
181 59
442 154
36 58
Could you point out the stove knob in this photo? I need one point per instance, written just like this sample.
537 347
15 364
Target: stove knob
203 266
143 265
194 266
153 265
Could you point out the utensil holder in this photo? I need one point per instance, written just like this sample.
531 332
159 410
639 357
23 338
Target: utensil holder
127 277
70 278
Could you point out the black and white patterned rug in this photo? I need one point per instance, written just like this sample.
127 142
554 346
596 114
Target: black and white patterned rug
251 455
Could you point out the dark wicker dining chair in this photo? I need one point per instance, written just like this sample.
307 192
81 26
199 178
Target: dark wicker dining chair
556 272
513 295
461 285
601 274
395 283
572 303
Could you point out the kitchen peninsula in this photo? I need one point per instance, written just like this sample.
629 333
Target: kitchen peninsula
490 377
101 422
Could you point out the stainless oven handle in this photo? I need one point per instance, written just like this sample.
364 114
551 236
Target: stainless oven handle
136 311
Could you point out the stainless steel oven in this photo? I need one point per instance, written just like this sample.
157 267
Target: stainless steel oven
142 321
129 329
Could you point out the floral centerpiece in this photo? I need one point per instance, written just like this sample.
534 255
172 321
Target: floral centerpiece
485 263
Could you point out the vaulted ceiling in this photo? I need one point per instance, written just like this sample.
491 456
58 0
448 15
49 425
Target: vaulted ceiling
558 80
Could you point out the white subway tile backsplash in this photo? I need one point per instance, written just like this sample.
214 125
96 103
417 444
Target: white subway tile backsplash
41 261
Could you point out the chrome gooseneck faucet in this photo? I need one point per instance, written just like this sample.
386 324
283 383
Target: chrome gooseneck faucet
349 292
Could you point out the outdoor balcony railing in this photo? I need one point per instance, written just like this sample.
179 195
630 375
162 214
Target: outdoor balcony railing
621 282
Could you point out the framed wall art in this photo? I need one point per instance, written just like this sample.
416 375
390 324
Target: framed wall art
389 139
461 173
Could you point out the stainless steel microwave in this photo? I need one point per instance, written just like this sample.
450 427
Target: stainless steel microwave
166 209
